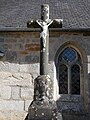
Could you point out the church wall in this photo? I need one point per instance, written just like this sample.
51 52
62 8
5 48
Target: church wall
20 65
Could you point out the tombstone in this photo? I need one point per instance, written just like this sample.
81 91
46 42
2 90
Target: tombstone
43 107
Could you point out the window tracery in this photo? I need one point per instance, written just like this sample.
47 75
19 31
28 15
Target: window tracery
69 71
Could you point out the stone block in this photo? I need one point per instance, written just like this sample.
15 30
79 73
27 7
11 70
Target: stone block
12 115
4 66
23 53
16 79
30 68
5 115
7 46
24 68
17 46
5 92
21 40
11 56
14 67
27 93
25 79
10 40
11 105
18 115
15 93
32 58
32 47
4 75
34 68
1 39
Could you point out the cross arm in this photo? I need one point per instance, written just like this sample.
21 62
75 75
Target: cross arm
57 23
32 24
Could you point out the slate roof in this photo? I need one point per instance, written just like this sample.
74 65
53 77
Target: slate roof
16 13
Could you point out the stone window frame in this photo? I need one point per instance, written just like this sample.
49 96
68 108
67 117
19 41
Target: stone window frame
84 72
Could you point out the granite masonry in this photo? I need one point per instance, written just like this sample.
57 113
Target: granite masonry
20 66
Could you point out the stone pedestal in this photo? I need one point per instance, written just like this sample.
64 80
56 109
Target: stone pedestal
43 107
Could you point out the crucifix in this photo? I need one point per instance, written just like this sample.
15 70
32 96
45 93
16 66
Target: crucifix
44 23
43 106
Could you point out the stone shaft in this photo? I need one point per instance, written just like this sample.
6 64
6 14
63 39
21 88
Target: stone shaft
44 41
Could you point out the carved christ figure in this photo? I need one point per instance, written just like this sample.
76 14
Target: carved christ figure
44 25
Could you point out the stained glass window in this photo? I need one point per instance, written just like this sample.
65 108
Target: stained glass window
75 77
63 79
69 74
69 54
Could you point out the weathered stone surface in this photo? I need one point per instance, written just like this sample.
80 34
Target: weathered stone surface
11 56
12 115
43 107
15 93
32 47
7 46
16 79
32 58
43 88
10 40
4 66
30 68
18 115
5 75
5 92
12 74
14 67
27 103
5 115
11 105
24 52
27 93
39 110
1 39
17 47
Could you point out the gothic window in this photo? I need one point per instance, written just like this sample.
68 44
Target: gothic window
69 71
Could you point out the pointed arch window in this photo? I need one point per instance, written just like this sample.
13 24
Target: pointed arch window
69 71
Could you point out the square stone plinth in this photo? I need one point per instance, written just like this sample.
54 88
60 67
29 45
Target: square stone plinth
43 112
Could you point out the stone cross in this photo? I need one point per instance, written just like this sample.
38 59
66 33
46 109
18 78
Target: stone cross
44 23
43 107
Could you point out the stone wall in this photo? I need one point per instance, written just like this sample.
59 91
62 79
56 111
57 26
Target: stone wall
20 66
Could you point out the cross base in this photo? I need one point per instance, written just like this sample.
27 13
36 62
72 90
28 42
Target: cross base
42 111
43 107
